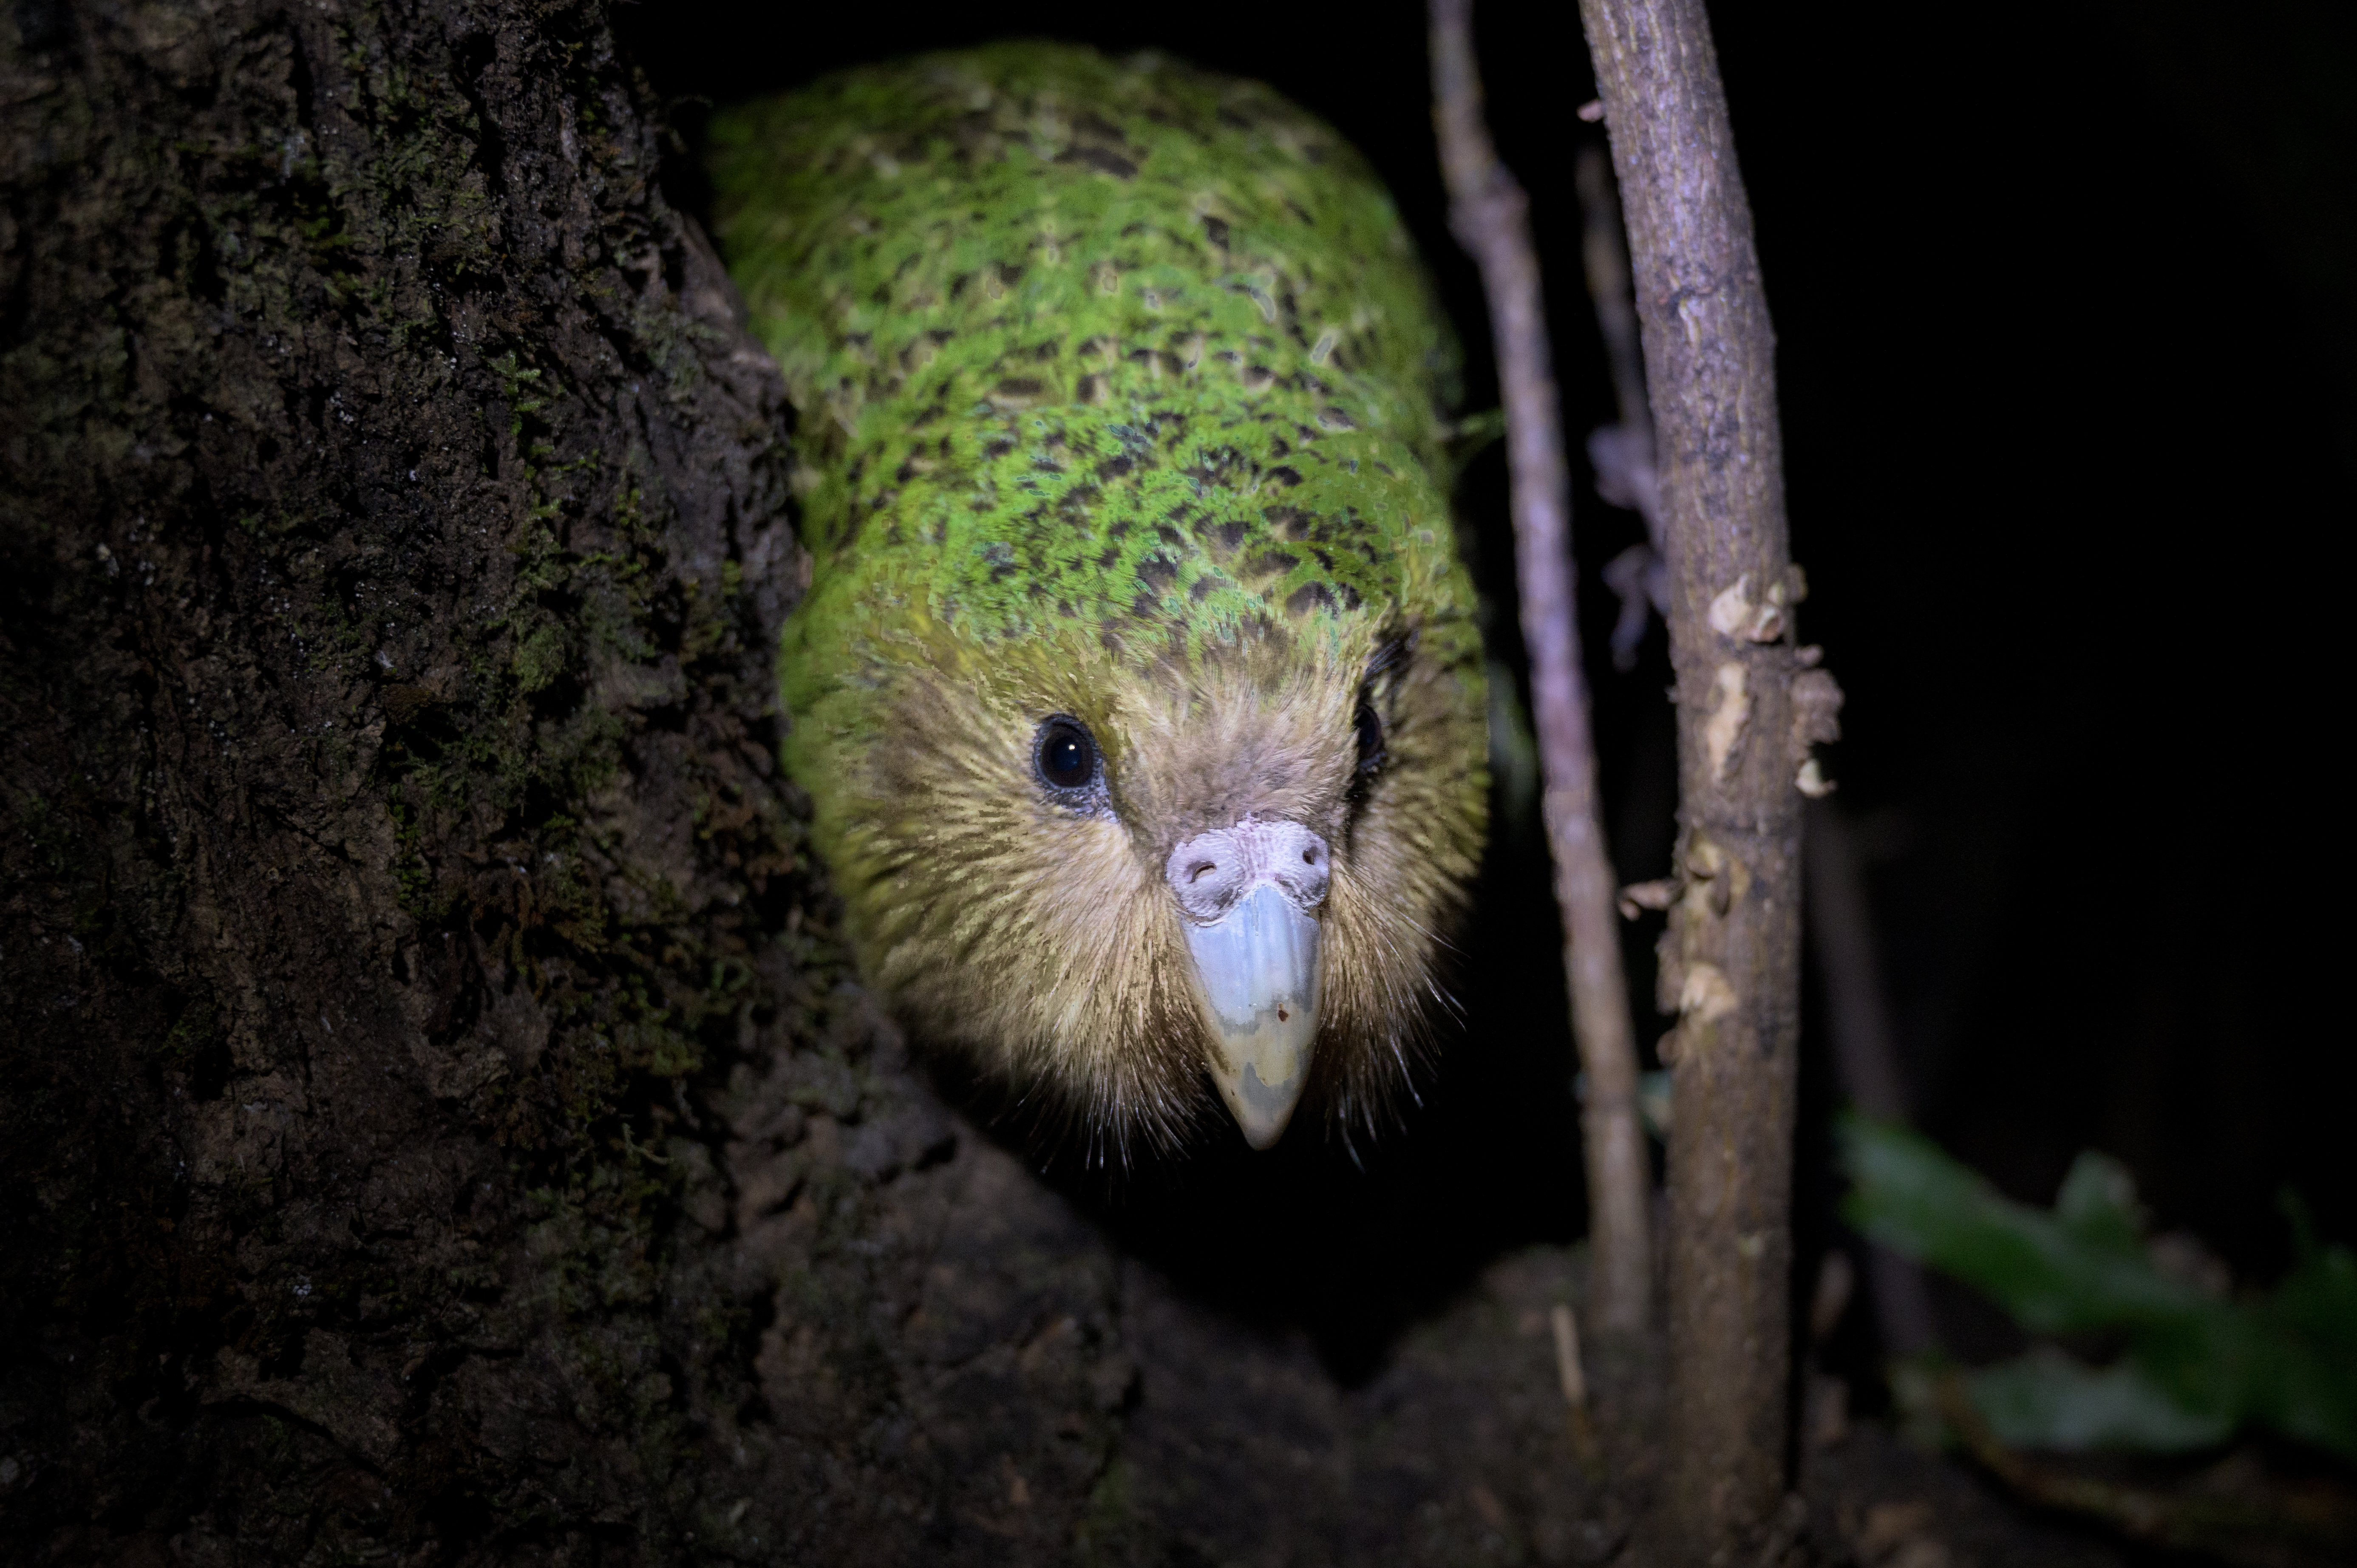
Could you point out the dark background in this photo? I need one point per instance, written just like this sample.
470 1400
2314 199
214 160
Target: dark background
2062 296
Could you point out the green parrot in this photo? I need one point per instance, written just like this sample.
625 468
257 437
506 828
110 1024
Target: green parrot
1138 687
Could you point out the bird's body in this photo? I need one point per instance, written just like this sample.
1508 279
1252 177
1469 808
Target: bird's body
1137 687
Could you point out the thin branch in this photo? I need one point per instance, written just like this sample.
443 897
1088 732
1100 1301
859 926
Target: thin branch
1574 1379
1604 255
1621 453
1491 219
1865 1046
1749 707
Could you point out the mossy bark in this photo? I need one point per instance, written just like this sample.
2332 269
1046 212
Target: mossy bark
434 1115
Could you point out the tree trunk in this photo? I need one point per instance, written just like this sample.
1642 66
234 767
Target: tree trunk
433 1116
1748 709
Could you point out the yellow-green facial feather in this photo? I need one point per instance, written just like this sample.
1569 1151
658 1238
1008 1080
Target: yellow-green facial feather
1122 396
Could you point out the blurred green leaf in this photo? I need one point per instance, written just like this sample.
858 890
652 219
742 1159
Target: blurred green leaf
2046 1399
2097 1204
2194 1370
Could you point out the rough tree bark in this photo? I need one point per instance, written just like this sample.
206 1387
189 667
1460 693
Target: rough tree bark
1748 709
433 1117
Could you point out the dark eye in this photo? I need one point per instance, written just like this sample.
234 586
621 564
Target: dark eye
1370 738
1065 755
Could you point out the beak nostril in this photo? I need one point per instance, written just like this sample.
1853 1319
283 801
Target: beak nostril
1211 871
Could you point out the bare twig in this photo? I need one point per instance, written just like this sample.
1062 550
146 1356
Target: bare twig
1567 1369
1864 1048
1732 955
1621 453
1568 1373
1604 255
1491 219
1841 928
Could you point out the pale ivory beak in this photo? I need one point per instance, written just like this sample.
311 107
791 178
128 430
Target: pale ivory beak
1258 968
1250 894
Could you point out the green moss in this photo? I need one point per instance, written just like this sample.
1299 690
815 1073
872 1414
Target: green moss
541 660
195 1031
1112 1529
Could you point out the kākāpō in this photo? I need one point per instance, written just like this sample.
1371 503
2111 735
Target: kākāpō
1137 687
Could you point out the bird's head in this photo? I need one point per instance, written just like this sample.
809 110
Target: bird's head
1105 879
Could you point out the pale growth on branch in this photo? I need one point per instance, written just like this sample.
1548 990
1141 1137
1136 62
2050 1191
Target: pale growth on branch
1730 712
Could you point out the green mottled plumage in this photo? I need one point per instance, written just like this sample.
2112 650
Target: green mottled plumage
1122 394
